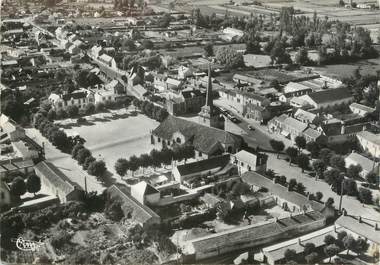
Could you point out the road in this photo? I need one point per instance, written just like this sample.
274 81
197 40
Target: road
351 204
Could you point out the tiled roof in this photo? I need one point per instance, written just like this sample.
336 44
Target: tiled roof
304 115
295 124
330 95
56 177
281 191
75 95
294 87
314 134
246 157
146 188
141 213
365 228
202 137
371 137
362 107
202 165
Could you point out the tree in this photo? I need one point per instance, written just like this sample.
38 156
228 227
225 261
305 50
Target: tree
337 161
300 188
18 187
89 108
350 187
361 245
365 196
292 153
209 49
76 149
292 184
33 184
99 107
72 111
325 154
329 201
60 139
309 248
97 168
331 250
313 148
312 258
331 175
51 115
371 177
302 57
319 167
303 162
353 171
349 243
121 166
277 146
229 57
300 142
279 55
290 255
61 114
134 163
82 155
318 196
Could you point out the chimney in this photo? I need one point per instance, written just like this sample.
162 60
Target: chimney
342 129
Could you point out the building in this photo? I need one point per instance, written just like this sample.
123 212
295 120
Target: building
132 208
328 98
8 167
247 161
209 115
305 116
207 141
108 60
257 113
312 135
57 183
230 34
369 142
361 110
145 193
367 164
186 102
184 72
293 89
360 227
79 98
252 236
202 168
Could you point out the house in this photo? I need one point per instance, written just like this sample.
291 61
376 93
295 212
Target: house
369 142
79 98
247 161
211 200
96 51
367 164
338 131
207 167
230 34
305 116
184 72
140 91
186 102
293 89
116 86
312 135
73 50
207 141
275 254
292 128
328 98
246 79
361 109
5 195
22 166
57 183
257 113
173 84
103 95
108 60
9 129
132 208
360 227
145 193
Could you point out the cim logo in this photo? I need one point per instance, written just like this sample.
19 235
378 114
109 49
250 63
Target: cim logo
28 245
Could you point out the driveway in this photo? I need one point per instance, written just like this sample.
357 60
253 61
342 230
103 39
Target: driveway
351 204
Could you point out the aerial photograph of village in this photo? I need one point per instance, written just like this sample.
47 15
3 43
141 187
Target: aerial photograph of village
190 132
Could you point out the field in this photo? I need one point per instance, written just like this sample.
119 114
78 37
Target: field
116 135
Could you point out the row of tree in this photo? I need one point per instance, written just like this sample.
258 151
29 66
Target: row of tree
154 159
151 110
88 162
19 186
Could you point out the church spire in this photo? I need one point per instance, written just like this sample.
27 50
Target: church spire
209 89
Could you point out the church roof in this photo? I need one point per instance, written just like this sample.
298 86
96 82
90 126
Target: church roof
202 137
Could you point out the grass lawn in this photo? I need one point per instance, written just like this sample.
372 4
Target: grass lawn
111 139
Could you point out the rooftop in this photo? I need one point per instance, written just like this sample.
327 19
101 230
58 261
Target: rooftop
202 165
364 228
330 95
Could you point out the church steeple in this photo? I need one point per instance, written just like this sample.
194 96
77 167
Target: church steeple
209 90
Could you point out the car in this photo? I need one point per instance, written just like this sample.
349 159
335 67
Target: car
250 127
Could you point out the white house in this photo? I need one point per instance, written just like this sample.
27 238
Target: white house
247 161
145 193
79 98
367 164
369 142
328 98
360 109
108 60
184 72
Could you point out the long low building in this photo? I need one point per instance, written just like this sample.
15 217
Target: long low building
252 235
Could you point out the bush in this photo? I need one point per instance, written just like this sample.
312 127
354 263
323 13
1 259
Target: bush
60 239
72 111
